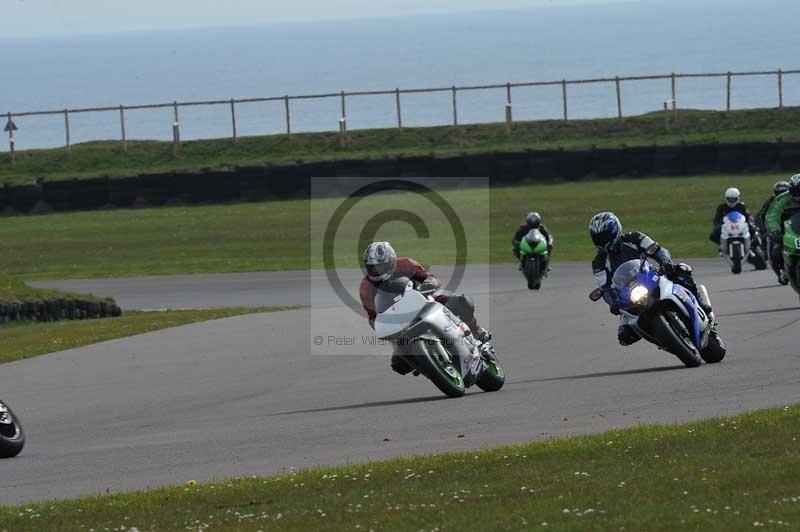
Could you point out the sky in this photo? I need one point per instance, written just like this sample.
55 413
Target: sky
33 18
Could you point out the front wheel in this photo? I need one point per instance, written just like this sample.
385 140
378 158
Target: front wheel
736 267
12 439
493 377
435 362
533 273
715 351
674 336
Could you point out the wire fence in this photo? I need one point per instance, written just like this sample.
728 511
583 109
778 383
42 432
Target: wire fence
616 83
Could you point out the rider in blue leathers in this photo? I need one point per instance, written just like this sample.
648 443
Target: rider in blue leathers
615 248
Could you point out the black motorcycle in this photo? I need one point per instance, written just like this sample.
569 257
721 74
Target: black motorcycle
12 439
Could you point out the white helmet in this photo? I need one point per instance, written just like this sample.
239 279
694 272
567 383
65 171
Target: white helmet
380 261
732 196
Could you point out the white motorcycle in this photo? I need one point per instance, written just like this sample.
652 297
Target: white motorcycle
434 341
736 243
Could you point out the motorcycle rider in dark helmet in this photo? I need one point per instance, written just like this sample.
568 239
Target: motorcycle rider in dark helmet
761 220
615 248
789 200
381 264
532 221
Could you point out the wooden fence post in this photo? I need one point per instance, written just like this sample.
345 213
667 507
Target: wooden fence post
122 128
455 107
564 96
780 88
288 116
233 119
619 99
397 104
674 97
176 131
728 99
66 128
344 106
509 116
11 140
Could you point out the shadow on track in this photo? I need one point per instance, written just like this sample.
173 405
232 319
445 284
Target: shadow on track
375 404
748 288
757 312
602 374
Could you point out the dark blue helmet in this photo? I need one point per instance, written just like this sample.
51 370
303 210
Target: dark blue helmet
533 220
605 230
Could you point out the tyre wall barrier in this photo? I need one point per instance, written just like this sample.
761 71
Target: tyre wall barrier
293 180
57 309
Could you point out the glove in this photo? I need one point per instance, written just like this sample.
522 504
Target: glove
668 267
429 285
614 308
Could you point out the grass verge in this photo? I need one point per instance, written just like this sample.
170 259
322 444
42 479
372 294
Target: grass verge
723 474
28 339
107 158
12 289
275 235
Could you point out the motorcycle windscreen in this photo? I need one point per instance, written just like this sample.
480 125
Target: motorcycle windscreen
627 273
400 315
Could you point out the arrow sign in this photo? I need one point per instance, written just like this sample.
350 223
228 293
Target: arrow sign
11 126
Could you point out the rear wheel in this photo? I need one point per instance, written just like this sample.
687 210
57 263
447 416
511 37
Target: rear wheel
674 335
435 362
758 261
12 439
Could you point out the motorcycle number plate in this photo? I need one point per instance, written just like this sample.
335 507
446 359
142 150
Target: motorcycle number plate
734 227
797 243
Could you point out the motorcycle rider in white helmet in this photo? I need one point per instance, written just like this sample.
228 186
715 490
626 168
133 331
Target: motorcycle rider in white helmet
733 202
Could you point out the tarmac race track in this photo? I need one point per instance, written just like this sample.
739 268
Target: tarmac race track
253 395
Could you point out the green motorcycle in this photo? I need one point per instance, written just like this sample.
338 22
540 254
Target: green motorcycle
534 256
791 250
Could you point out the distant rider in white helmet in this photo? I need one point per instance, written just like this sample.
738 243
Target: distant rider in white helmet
733 202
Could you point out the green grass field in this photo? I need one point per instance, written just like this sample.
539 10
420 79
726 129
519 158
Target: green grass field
107 158
724 474
276 235
28 339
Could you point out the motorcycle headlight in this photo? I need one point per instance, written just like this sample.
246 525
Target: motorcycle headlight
639 294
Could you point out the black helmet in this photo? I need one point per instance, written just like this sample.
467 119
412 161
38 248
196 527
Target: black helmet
605 230
794 186
780 187
533 220
380 260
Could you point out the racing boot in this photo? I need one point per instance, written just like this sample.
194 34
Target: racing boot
400 366
627 335
705 302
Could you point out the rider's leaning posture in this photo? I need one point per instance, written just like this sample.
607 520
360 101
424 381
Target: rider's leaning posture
789 200
761 220
381 264
615 248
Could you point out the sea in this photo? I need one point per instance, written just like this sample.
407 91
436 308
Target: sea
553 42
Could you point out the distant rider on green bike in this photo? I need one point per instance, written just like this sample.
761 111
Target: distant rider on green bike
532 221
774 219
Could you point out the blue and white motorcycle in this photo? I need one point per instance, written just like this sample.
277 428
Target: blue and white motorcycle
665 313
